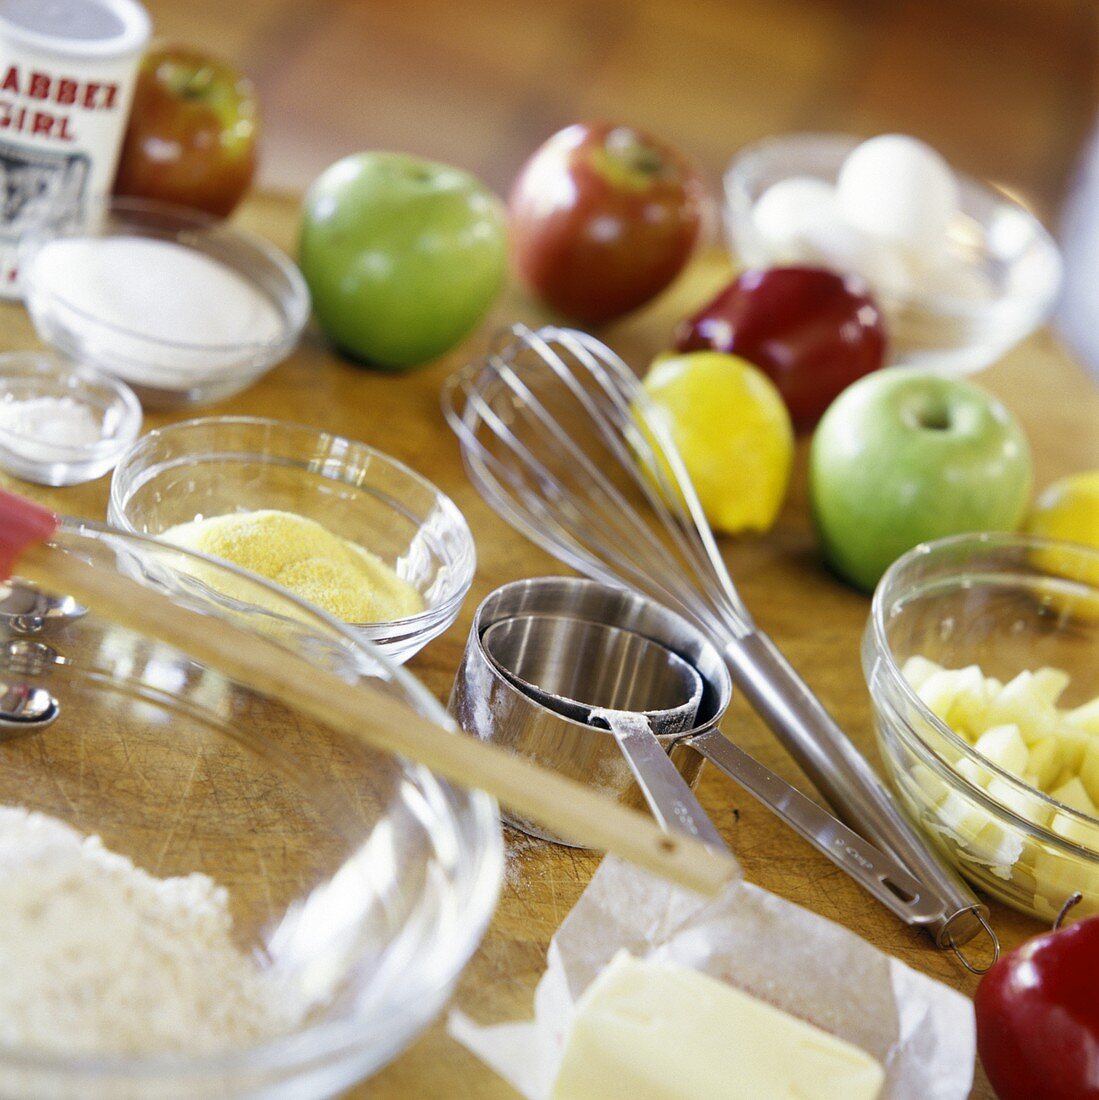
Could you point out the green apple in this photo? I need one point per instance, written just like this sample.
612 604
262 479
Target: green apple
402 256
904 456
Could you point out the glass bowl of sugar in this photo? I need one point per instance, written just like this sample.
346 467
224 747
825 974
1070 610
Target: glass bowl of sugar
60 423
184 308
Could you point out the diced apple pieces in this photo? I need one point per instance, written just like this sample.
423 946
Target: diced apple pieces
1021 702
1030 807
1086 716
1004 746
961 817
1074 795
1082 832
917 669
1019 729
1059 875
940 690
932 788
1089 771
1049 683
973 771
1046 762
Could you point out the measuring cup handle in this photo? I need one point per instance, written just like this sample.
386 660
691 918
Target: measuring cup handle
666 792
843 776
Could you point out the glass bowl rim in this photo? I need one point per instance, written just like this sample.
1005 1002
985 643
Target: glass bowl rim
293 308
898 682
430 615
51 364
761 149
329 1039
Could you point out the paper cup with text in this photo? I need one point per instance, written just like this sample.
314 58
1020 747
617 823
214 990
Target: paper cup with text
67 72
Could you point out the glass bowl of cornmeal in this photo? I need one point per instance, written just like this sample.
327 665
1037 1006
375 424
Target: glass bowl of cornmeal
340 524
182 307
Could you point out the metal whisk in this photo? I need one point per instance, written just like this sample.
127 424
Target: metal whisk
560 438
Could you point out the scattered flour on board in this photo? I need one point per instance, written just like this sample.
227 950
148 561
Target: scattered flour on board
99 957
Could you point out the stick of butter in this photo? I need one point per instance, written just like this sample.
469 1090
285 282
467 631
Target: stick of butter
656 1031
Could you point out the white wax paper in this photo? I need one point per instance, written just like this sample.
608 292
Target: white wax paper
919 1029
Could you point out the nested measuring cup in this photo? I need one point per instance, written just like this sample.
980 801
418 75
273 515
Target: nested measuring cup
598 683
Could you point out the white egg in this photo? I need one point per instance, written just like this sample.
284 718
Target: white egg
787 209
799 222
842 247
896 188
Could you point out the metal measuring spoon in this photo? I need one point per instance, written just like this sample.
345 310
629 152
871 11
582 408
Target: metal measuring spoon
26 610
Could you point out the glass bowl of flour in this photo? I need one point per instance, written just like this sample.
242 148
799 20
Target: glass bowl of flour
184 308
203 892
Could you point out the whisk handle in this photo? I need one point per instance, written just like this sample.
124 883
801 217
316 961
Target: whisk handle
843 776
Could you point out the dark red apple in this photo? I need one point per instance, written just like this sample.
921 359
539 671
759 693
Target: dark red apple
1038 1017
192 132
602 218
812 331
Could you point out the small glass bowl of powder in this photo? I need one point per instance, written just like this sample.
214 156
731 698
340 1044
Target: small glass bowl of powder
183 307
62 423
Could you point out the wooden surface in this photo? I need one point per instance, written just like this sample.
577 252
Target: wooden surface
814 619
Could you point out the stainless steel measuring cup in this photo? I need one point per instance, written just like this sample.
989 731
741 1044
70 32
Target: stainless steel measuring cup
489 704
579 668
595 647
617 679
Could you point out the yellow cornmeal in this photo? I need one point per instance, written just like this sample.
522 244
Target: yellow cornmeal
341 578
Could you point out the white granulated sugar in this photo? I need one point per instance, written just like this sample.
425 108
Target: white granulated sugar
159 289
99 957
145 308
57 421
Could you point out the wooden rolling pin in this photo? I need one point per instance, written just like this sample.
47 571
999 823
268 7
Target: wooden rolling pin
359 710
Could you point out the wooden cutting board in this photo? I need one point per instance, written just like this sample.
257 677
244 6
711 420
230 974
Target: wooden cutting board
814 619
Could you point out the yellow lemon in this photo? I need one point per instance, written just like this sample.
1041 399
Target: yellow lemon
1069 510
731 426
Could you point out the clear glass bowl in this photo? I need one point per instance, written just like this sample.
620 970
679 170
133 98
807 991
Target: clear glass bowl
992 237
359 878
1006 603
26 376
72 316
217 465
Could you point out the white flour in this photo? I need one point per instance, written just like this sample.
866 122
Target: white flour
99 957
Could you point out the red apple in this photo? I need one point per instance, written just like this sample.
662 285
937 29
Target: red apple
812 331
191 137
1038 1017
603 217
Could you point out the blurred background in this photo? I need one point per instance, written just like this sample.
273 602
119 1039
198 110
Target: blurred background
1005 89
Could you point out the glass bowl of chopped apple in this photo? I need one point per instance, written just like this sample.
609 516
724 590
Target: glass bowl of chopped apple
982 659
185 308
336 522
205 893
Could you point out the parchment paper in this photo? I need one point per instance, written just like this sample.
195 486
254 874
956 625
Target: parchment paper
919 1029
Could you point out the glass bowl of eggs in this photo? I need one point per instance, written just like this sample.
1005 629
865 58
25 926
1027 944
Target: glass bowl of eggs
982 659
961 270
340 524
205 892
